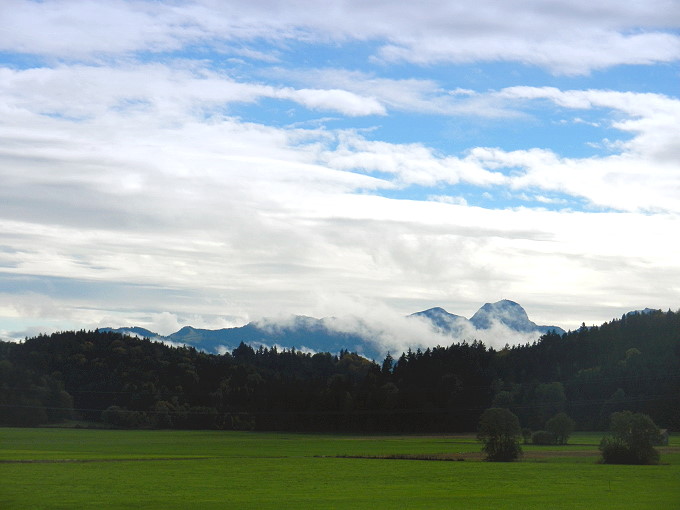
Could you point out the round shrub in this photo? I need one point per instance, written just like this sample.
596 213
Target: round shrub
500 432
561 426
631 440
543 437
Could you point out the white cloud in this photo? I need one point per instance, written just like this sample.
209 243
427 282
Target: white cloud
134 191
31 304
335 100
409 163
402 95
571 37
448 199
573 53
239 210
641 176
387 330
83 92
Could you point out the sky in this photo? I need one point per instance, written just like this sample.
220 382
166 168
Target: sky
168 163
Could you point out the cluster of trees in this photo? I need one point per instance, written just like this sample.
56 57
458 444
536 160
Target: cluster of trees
500 432
557 430
628 364
631 439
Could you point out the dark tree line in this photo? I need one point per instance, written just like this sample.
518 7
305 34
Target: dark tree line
628 364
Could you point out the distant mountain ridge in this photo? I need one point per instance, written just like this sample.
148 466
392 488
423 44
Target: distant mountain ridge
510 314
319 335
443 321
504 312
303 333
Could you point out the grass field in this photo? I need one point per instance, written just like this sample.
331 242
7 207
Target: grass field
77 468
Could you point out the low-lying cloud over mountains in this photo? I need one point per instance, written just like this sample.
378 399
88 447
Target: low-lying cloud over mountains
495 324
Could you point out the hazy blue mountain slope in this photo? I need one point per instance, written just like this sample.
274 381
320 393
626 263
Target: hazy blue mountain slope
318 335
444 321
303 333
132 331
510 314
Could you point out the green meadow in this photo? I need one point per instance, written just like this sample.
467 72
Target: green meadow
82 468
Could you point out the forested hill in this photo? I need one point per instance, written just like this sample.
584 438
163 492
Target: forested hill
632 363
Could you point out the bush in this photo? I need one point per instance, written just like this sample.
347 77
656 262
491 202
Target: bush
616 451
631 440
526 435
561 426
121 417
499 430
543 437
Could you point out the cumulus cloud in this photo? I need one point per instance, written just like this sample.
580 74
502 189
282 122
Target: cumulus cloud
409 163
30 304
642 175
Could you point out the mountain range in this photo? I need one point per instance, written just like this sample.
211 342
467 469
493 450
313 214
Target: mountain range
324 335
504 312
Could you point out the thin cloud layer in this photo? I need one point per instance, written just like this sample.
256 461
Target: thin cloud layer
572 37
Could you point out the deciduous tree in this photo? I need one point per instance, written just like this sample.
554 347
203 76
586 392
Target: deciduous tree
631 440
561 426
500 432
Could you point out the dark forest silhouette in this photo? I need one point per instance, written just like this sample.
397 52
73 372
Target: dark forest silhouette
104 378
